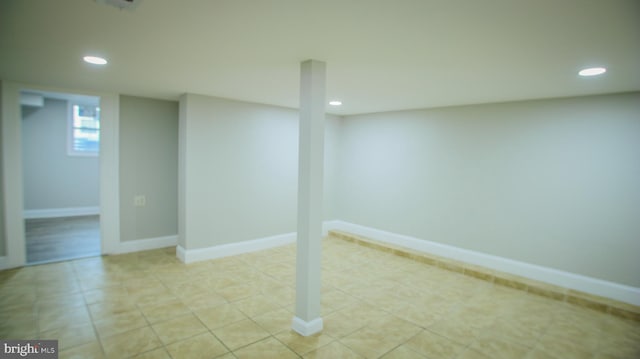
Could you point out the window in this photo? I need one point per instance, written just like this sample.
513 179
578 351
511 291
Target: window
84 130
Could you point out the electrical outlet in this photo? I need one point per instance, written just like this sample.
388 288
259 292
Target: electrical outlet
140 201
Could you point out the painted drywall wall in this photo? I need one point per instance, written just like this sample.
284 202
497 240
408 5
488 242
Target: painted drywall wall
554 183
148 167
239 170
52 178
332 128
3 234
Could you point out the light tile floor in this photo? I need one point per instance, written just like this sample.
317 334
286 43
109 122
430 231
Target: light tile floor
375 305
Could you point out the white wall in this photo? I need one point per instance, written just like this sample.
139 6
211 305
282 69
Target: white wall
554 183
52 178
3 232
148 167
238 164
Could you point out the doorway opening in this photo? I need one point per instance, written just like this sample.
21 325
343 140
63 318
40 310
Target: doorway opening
60 164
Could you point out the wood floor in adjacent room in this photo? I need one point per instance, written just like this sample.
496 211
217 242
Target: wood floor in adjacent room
55 239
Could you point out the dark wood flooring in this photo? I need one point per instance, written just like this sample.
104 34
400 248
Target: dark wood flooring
58 239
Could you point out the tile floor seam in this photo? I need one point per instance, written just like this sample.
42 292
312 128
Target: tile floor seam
220 340
95 332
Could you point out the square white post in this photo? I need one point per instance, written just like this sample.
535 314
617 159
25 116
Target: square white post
307 320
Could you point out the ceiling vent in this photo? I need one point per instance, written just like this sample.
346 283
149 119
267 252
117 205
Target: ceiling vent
121 4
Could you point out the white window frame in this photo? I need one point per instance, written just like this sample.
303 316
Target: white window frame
71 150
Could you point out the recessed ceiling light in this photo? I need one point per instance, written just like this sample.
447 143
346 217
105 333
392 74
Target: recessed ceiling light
95 60
592 71
335 103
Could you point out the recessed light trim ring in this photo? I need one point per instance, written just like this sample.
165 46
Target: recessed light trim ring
592 71
96 60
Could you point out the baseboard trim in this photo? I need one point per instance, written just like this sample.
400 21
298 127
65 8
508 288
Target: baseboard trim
61 212
146 244
232 249
329 225
572 281
305 328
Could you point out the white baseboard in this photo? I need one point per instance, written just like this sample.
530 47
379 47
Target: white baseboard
329 225
61 212
612 290
232 249
146 244
305 328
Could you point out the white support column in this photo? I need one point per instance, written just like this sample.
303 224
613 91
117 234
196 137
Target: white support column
307 320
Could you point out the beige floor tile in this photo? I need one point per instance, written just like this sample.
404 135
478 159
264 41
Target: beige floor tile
382 299
275 321
219 316
618 346
269 348
120 323
238 291
69 337
99 295
153 297
202 300
499 349
142 283
420 316
334 350
455 330
19 323
178 328
96 280
241 333
60 302
227 356
364 313
256 305
301 344
53 319
18 330
87 351
366 345
281 295
377 303
164 311
339 324
130 343
394 330
112 306
434 346
512 332
402 352
377 339
200 346
634 355
562 349
535 322
58 286
337 299
12 297
159 353
580 333
470 353
538 354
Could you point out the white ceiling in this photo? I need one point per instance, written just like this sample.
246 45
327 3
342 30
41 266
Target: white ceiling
381 55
